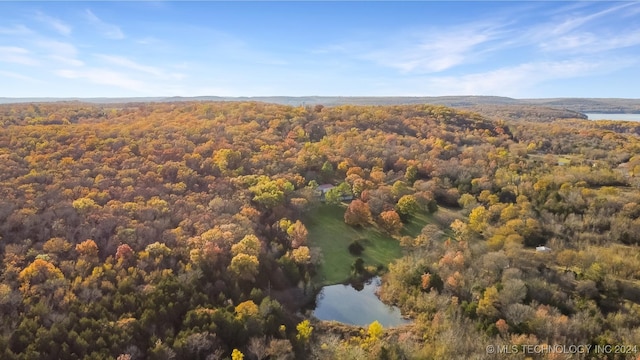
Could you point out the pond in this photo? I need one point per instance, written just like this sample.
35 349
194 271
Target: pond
347 305
623 117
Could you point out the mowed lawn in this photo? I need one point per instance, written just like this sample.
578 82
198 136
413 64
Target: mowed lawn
415 224
328 231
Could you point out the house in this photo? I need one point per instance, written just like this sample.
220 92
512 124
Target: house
322 190
542 248
564 161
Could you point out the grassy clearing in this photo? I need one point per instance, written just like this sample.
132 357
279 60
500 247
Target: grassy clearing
328 231
442 218
416 223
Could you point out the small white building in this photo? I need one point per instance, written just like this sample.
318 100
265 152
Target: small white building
542 248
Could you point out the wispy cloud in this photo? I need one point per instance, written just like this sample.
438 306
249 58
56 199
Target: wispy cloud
59 51
518 80
57 24
428 50
577 30
58 47
17 76
105 77
575 21
432 51
225 44
149 40
569 31
15 30
588 42
17 55
109 31
130 64
127 63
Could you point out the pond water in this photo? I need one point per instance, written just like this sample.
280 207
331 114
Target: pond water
347 305
624 117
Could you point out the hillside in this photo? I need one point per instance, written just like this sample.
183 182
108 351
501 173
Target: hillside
194 229
580 105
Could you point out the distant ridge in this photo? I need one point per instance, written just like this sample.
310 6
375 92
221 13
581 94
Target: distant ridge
582 105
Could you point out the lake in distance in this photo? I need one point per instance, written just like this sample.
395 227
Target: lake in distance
347 305
622 117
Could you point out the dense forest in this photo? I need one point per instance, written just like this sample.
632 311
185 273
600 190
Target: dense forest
178 230
541 108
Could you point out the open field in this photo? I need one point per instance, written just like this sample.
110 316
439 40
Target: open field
416 223
328 231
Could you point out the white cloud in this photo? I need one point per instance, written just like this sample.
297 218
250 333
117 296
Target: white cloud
579 32
57 24
149 40
59 51
588 42
132 65
66 60
58 48
431 52
423 51
576 21
17 76
571 30
15 30
105 77
517 80
17 55
109 31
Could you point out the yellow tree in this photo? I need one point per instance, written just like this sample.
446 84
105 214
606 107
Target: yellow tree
237 355
478 219
486 305
247 309
88 250
297 234
244 266
301 255
39 272
87 256
249 245
304 331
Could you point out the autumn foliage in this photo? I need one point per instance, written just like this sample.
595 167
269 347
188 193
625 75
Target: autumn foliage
175 230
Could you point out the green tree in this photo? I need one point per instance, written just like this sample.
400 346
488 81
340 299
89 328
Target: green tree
327 171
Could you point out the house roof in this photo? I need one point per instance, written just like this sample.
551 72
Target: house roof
325 187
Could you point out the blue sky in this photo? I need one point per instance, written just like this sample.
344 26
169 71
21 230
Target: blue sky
507 48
